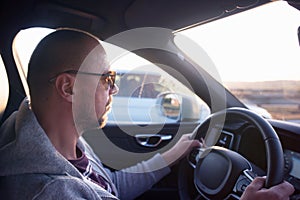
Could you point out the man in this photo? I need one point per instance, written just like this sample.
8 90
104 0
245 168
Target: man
42 155
40 142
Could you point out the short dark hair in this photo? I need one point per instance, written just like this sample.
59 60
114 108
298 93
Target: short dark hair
60 50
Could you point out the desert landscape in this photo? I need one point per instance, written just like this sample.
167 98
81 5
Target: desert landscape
280 98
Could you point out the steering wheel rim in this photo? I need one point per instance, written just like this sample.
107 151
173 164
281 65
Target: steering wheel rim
274 153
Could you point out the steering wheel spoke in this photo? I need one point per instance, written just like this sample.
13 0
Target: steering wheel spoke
218 171
243 181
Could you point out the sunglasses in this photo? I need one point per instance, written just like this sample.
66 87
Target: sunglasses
109 77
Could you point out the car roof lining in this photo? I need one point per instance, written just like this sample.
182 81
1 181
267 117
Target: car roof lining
108 17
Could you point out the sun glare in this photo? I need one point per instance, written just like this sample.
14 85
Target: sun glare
256 45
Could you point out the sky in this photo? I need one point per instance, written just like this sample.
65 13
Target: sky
257 45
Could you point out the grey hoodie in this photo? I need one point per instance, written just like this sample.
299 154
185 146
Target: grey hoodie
31 168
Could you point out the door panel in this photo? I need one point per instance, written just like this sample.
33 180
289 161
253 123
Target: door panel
117 146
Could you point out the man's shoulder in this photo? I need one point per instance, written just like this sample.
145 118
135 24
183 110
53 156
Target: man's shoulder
7 126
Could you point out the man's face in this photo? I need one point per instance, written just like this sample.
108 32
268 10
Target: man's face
103 97
92 93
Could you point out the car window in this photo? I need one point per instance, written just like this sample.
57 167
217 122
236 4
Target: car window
147 94
139 85
23 46
256 55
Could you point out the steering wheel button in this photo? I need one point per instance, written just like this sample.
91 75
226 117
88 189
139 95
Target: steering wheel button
243 187
241 184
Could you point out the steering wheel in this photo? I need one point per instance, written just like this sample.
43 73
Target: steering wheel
220 173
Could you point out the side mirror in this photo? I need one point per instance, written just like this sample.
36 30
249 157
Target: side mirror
170 105
181 107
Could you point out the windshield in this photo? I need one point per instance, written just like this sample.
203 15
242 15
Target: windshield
257 56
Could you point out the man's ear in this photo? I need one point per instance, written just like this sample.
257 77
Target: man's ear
64 85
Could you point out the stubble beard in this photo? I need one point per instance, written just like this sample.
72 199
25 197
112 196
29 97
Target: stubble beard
103 120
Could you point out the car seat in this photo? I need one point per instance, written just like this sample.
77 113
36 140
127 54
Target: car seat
4 90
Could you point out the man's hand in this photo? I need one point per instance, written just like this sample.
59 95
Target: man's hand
255 191
184 145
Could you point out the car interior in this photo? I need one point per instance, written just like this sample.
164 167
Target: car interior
240 143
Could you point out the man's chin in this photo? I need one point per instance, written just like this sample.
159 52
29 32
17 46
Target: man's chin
103 120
